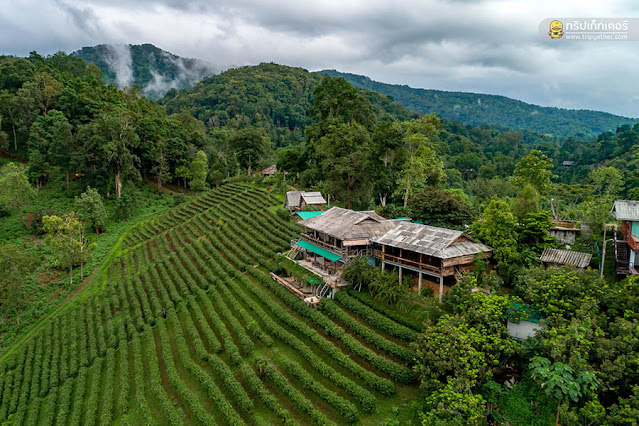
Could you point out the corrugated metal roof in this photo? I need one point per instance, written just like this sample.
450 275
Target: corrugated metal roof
269 170
625 210
564 225
431 240
349 225
313 198
293 198
565 257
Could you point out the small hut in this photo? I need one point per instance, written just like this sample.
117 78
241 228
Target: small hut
564 231
269 171
297 200
523 321
554 257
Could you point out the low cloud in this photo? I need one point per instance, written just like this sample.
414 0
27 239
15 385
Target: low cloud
120 61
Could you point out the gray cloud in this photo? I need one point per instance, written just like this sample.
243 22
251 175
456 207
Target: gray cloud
489 46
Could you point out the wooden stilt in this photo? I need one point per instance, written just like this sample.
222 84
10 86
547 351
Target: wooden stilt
441 287
419 287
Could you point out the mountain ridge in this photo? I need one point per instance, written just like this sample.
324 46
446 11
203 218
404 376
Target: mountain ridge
157 71
479 108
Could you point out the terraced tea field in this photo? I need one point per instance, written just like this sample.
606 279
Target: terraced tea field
236 347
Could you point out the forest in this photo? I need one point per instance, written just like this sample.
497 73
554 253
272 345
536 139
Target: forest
121 206
479 108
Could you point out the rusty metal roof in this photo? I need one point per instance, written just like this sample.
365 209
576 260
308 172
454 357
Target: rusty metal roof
565 225
269 170
313 198
431 240
625 210
348 224
565 257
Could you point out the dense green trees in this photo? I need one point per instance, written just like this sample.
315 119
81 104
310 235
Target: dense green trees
15 190
250 147
91 209
199 170
15 266
498 229
67 241
481 109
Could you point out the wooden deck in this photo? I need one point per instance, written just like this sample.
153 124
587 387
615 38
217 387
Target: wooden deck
408 262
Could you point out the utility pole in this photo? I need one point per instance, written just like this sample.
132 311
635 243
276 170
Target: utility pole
603 253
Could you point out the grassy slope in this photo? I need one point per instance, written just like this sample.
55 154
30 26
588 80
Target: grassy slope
48 288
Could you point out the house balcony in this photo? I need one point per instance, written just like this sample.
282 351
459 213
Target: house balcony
409 263
633 242
326 246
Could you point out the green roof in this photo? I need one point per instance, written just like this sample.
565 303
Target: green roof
318 250
519 312
308 215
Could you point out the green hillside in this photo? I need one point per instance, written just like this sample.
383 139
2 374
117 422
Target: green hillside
154 70
236 347
269 96
478 109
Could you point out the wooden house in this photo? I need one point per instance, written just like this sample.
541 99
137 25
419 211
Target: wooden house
269 171
627 241
564 231
436 252
554 257
338 234
298 200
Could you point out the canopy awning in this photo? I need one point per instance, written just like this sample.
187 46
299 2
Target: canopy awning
319 251
308 215
362 242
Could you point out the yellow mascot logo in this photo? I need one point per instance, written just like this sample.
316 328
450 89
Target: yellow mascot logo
556 29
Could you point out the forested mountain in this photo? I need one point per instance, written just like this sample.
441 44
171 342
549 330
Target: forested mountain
179 308
478 109
269 96
154 70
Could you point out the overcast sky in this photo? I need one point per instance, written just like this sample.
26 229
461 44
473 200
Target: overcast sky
462 45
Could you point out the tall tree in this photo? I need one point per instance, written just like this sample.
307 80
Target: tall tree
50 142
3 135
160 163
69 246
497 228
335 98
422 162
48 89
535 169
527 201
199 170
15 265
15 190
117 127
343 153
251 147
387 158
607 181
9 108
91 209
